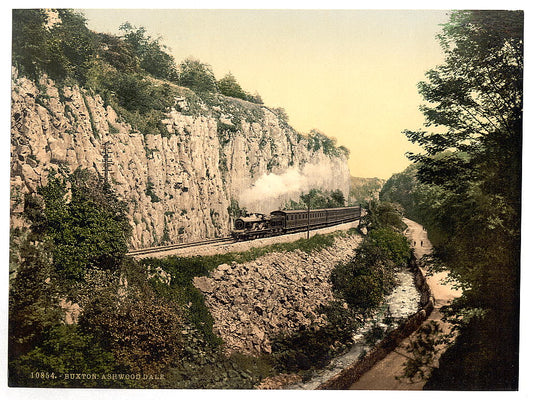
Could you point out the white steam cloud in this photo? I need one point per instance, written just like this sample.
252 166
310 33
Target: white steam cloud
271 190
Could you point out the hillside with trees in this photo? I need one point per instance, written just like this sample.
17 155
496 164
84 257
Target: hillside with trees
465 187
77 302
363 190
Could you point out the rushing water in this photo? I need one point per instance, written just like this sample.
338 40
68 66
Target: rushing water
401 303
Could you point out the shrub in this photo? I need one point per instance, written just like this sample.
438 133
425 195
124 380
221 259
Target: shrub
314 346
369 276
89 230
64 349
140 328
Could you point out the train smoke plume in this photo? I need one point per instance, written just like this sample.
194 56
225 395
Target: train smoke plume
273 190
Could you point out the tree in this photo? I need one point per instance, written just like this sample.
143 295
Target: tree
369 275
62 50
421 202
382 215
118 53
29 41
474 158
337 198
151 53
88 231
197 76
229 86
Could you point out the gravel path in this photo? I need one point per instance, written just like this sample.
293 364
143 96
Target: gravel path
383 375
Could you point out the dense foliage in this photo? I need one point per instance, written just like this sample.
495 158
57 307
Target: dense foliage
369 275
78 231
313 347
317 199
469 179
150 53
382 214
62 50
133 73
86 225
74 262
197 76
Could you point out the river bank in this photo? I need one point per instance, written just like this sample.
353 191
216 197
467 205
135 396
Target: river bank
383 375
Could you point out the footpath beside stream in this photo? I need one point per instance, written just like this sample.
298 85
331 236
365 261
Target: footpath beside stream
383 375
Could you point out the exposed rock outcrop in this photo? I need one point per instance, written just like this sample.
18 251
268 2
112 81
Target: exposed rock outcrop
178 186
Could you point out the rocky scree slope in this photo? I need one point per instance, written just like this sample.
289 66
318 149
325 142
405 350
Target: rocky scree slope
178 186
276 293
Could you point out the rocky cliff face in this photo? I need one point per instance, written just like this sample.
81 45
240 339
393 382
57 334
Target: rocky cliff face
178 186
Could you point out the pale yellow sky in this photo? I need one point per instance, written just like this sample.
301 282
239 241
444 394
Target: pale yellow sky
348 73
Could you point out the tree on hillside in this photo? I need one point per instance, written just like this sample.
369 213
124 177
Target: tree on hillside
197 76
382 215
229 86
475 101
117 53
86 227
29 41
62 50
152 55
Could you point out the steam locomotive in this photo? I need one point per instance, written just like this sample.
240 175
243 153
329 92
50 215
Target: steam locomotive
256 225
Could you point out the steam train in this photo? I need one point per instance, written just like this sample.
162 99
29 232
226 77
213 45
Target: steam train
253 226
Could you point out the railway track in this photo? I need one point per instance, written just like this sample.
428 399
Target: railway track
150 250
158 249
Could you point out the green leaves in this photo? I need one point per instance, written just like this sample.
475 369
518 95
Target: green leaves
150 52
382 215
468 182
88 231
197 76
64 349
369 276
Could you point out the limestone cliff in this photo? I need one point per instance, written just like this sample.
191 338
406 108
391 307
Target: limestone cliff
178 186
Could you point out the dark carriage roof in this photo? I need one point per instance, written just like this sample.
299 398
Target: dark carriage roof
289 212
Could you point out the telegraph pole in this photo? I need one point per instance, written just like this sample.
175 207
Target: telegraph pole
107 162
308 214
308 197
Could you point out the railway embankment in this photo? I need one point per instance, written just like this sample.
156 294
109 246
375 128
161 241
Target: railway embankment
278 292
242 246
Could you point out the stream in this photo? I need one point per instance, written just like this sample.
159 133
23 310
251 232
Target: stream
402 303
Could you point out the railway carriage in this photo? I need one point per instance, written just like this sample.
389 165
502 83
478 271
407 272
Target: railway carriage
280 222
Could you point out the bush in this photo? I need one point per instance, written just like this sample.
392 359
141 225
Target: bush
314 346
90 230
142 331
369 276
387 244
64 349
